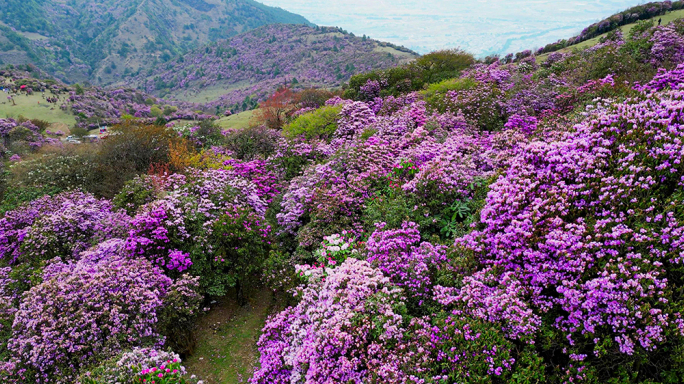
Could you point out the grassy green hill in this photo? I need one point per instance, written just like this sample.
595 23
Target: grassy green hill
238 120
34 107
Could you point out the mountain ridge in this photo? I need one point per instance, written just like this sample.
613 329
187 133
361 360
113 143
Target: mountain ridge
79 40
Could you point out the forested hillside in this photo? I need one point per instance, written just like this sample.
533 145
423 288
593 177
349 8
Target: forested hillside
103 41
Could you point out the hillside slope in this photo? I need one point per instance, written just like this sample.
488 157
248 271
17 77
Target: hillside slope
102 41
255 63
34 95
625 29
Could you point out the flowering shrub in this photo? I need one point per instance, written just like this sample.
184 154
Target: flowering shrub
168 372
353 118
63 225
408 262
665 79
336 248
586 228
136 365
88 311
212 226
314 342
668 44
480 105
452 347
524 124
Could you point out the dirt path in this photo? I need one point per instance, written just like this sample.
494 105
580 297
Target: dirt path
226 350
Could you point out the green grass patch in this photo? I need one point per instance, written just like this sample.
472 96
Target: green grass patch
226 339
238 120
320 124
29 107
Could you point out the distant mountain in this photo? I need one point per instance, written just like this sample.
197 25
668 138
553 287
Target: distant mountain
102 41
235 72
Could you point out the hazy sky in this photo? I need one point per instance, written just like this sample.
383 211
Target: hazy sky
478 26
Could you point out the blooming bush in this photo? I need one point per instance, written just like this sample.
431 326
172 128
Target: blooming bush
598 224
212 226
137 365
59 226
336 248
315 341
408 262
88 312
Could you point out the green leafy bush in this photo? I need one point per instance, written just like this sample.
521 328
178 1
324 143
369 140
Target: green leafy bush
431 68
130 150
435 94
134 194
251 143
444 64
241 240
136 365
320 124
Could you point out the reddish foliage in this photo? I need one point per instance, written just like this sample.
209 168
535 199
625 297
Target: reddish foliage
273 112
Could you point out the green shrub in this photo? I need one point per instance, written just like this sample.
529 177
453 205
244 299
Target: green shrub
445 64
169 109
319 124
251 143
177 318
134 194
431 68
208 134
130 150
155 111
236 256
78 131
50 173
42 124
435 94
640 27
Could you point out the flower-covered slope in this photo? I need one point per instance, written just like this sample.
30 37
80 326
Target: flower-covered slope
519 223
255 63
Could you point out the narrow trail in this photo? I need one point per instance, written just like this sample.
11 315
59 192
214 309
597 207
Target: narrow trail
226 350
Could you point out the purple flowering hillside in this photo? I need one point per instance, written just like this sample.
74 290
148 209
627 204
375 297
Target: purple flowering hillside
446 221
254 64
